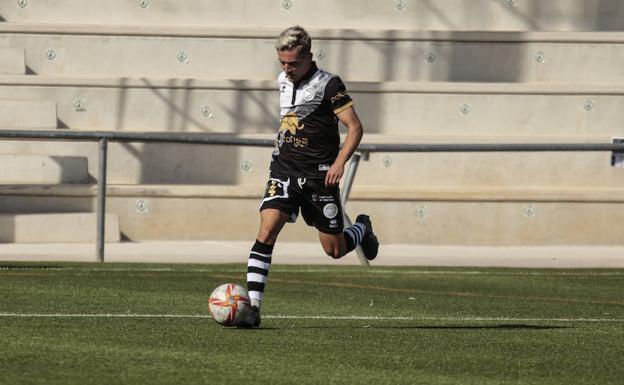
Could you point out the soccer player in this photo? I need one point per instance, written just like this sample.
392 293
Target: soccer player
307 164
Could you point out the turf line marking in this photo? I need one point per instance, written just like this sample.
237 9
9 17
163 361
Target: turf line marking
315 317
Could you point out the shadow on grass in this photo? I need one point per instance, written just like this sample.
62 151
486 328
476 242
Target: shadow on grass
476 327
442 327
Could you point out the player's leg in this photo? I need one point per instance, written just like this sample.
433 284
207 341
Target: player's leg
276 209
271 223
322 209
259 263
335 245
339 244
368 240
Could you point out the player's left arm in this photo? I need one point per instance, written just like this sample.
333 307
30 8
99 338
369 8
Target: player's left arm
349 118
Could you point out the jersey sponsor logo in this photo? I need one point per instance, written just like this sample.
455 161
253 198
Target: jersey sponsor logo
290 122
330 210
338 96
296 142
323 167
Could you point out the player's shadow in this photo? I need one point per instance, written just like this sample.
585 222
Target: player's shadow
423 327
426 327
475 327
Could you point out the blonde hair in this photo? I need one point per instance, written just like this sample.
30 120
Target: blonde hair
294 37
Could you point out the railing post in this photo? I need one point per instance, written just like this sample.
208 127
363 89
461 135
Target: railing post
344 195
101 199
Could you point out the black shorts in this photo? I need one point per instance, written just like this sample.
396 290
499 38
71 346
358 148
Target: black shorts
320 204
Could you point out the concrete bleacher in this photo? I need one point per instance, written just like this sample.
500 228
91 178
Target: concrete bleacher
12 61
365 55
55 228
27 113
420 71
454 15
41 169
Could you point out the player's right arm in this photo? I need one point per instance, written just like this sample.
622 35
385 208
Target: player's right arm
349 118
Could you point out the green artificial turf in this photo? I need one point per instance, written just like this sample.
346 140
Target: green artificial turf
389 326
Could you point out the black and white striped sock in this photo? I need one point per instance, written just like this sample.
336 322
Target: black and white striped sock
258 267
353 235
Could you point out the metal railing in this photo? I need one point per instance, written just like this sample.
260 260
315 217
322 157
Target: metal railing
103 137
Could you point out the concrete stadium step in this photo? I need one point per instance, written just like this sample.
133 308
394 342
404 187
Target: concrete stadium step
368 55
421 216
166 163
12 60
43 169
159 163
250 106
16 113
526 15
55 228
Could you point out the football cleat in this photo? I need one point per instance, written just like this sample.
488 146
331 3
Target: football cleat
369 243
252 320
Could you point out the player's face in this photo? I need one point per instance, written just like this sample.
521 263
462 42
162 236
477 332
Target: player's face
294 64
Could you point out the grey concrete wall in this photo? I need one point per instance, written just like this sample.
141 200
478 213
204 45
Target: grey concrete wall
363 56
42 169
12 61
391 108
55 228
503 217
16 112
522 15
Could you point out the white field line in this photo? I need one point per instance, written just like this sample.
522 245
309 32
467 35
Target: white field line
316 317
345 271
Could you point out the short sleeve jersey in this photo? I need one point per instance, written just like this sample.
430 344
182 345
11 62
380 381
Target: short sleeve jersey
308 140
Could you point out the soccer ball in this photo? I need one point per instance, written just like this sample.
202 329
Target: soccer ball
229 304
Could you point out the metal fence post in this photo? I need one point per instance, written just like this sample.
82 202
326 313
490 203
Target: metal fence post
344 195
101 199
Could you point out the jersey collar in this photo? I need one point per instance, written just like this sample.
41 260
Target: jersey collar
308 75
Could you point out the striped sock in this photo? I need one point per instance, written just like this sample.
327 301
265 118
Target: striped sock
353 235
258 270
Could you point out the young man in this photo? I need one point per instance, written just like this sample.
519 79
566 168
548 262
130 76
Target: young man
307 164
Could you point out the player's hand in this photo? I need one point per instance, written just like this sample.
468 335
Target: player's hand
332 178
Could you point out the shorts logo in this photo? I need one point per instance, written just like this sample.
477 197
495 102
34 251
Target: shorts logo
330 210
272 189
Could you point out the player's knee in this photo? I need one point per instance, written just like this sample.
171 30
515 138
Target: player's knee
267 237
333 252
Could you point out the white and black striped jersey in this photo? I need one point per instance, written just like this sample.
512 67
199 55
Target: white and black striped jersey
308 140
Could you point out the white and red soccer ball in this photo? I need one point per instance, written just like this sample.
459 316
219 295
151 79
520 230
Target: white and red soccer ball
229 304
